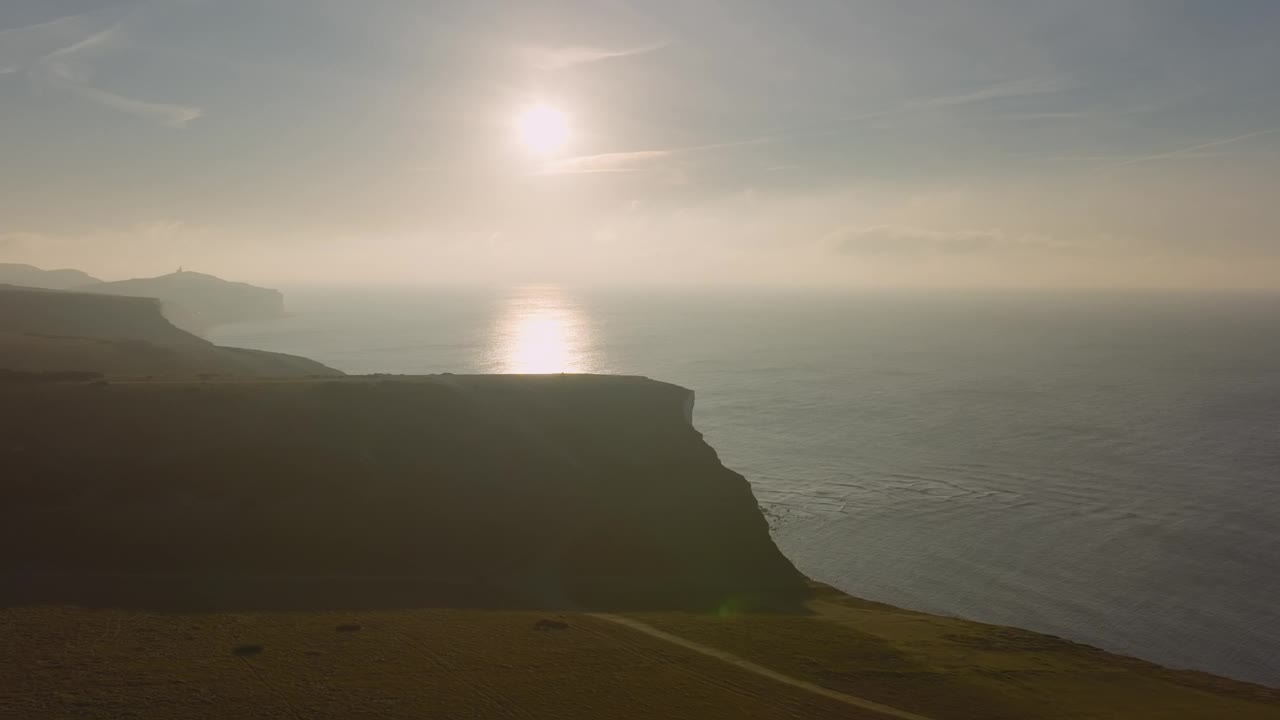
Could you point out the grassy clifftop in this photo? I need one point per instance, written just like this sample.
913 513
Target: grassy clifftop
465 663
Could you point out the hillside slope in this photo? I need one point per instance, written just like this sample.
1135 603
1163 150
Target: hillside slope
32 276
53 331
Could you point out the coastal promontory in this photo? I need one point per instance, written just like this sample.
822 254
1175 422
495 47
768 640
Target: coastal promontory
462 546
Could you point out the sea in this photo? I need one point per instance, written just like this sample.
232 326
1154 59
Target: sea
1099 465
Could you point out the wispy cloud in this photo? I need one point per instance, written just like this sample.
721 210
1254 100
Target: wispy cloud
22 48
1024 87
1028 87
1192 151
164 113
639 160
1013 89
562 58
897 240
667 158
622 162
54 54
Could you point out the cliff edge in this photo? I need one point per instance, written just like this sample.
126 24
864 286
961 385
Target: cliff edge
544 490
55 331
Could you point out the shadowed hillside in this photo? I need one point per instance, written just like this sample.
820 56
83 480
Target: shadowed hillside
52 331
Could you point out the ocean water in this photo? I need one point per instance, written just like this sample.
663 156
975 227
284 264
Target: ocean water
1100 466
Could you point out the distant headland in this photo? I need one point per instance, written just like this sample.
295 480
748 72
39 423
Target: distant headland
54 331
192 301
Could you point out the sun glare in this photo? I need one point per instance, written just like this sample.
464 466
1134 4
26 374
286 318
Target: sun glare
543 129
541 331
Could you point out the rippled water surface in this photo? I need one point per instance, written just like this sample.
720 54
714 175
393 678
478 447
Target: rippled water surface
1103 467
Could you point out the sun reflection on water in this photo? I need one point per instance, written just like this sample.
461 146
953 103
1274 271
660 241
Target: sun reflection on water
541 330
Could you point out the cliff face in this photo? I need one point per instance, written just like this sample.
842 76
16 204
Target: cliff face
558 489
196 302
81 315
52 331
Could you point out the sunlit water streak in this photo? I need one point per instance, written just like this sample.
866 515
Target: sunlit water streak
541 330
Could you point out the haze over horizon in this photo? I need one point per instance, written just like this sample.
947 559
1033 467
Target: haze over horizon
977 143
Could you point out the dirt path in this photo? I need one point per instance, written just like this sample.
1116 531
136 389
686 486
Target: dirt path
762 671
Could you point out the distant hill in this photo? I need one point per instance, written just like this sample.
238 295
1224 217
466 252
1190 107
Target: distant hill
196 302
56 331
32 276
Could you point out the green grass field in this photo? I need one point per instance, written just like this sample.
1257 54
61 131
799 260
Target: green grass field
952 668
68 663
60 662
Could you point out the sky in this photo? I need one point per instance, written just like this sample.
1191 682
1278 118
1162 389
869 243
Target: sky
1092 143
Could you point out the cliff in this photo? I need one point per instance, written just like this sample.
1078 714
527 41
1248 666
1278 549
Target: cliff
562 490
32 276
196 302
83 315
442 547
53 331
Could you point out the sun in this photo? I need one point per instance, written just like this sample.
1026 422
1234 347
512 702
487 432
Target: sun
543 129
